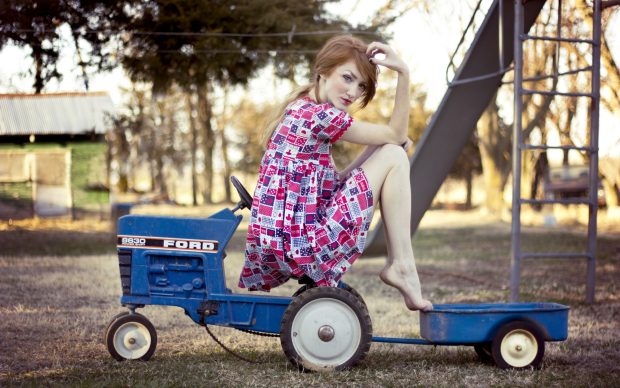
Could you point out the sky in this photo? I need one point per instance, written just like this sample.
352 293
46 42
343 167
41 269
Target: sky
423 43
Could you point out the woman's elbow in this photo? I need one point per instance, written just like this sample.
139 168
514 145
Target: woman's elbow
396 136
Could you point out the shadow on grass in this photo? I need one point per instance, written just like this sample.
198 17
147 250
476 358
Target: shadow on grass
171 368
21 242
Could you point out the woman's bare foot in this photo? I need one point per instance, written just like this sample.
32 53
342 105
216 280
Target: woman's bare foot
404 278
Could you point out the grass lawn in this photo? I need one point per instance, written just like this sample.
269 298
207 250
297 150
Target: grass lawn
59 287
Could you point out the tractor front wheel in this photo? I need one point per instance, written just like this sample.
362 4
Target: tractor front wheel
131 337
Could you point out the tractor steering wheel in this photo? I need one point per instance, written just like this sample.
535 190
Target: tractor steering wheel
246 199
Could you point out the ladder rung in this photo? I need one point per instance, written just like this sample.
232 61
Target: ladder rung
550 255
547 147
552 93
563 201
542 77
555 39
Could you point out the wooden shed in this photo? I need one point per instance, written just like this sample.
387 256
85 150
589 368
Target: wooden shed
53 153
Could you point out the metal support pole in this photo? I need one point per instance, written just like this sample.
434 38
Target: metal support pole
556 64
594 127
515 256
500 24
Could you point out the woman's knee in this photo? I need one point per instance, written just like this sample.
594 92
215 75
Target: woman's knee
394 155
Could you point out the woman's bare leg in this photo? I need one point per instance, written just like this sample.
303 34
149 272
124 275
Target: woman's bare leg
387 170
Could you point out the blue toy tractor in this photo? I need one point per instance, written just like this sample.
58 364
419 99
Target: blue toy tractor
174 261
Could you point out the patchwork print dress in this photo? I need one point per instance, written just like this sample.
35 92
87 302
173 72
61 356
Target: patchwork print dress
306 219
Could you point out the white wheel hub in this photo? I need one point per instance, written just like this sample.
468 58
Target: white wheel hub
326 332
132 340
519 348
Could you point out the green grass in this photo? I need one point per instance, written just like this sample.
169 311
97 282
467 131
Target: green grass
54 308
88 168
19 191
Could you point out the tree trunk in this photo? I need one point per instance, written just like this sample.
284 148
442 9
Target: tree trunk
494 200
38 72
494 141
121 147
610 173
194 145
224 144
153 171
81 62
541 167
612 194
469 177
611 99
162 186
208 138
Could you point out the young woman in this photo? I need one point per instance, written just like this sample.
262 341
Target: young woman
307 218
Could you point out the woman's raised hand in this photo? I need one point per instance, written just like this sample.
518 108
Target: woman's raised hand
391 59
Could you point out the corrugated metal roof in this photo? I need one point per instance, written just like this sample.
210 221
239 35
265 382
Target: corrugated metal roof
54 114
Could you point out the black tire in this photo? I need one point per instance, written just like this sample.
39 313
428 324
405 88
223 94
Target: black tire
302 289
354 292
484 352
139 329
323 313
107 329
518 345
346 287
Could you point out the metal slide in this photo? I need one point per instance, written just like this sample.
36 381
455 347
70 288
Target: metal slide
451 127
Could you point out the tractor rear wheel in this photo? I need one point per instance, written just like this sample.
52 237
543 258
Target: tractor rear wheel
326 328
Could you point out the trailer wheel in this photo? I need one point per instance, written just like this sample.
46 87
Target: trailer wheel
131 337
326 328
518 345
484 352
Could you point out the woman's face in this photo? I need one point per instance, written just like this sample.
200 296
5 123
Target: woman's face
343 86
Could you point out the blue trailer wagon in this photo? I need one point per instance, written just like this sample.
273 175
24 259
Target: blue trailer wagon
178 262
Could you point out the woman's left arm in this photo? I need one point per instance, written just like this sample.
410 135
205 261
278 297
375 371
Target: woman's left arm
395 132
400 113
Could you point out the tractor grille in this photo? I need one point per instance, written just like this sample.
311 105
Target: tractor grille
124 264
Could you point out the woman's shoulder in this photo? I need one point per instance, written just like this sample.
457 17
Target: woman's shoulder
303 102
306 103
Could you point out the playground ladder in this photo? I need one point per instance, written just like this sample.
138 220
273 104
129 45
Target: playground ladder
519 146
474 85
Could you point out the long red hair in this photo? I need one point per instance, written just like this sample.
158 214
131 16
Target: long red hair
336 51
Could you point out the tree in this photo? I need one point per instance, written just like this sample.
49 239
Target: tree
249 122
36 25
200 45
466 167
197 45
494 141
33 24
148 134
543 114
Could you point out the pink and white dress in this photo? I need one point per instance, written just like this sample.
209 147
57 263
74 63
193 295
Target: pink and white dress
305 219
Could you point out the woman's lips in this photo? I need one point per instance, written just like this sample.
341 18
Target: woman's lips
345 101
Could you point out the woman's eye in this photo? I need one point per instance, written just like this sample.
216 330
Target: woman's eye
362 88
347 78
